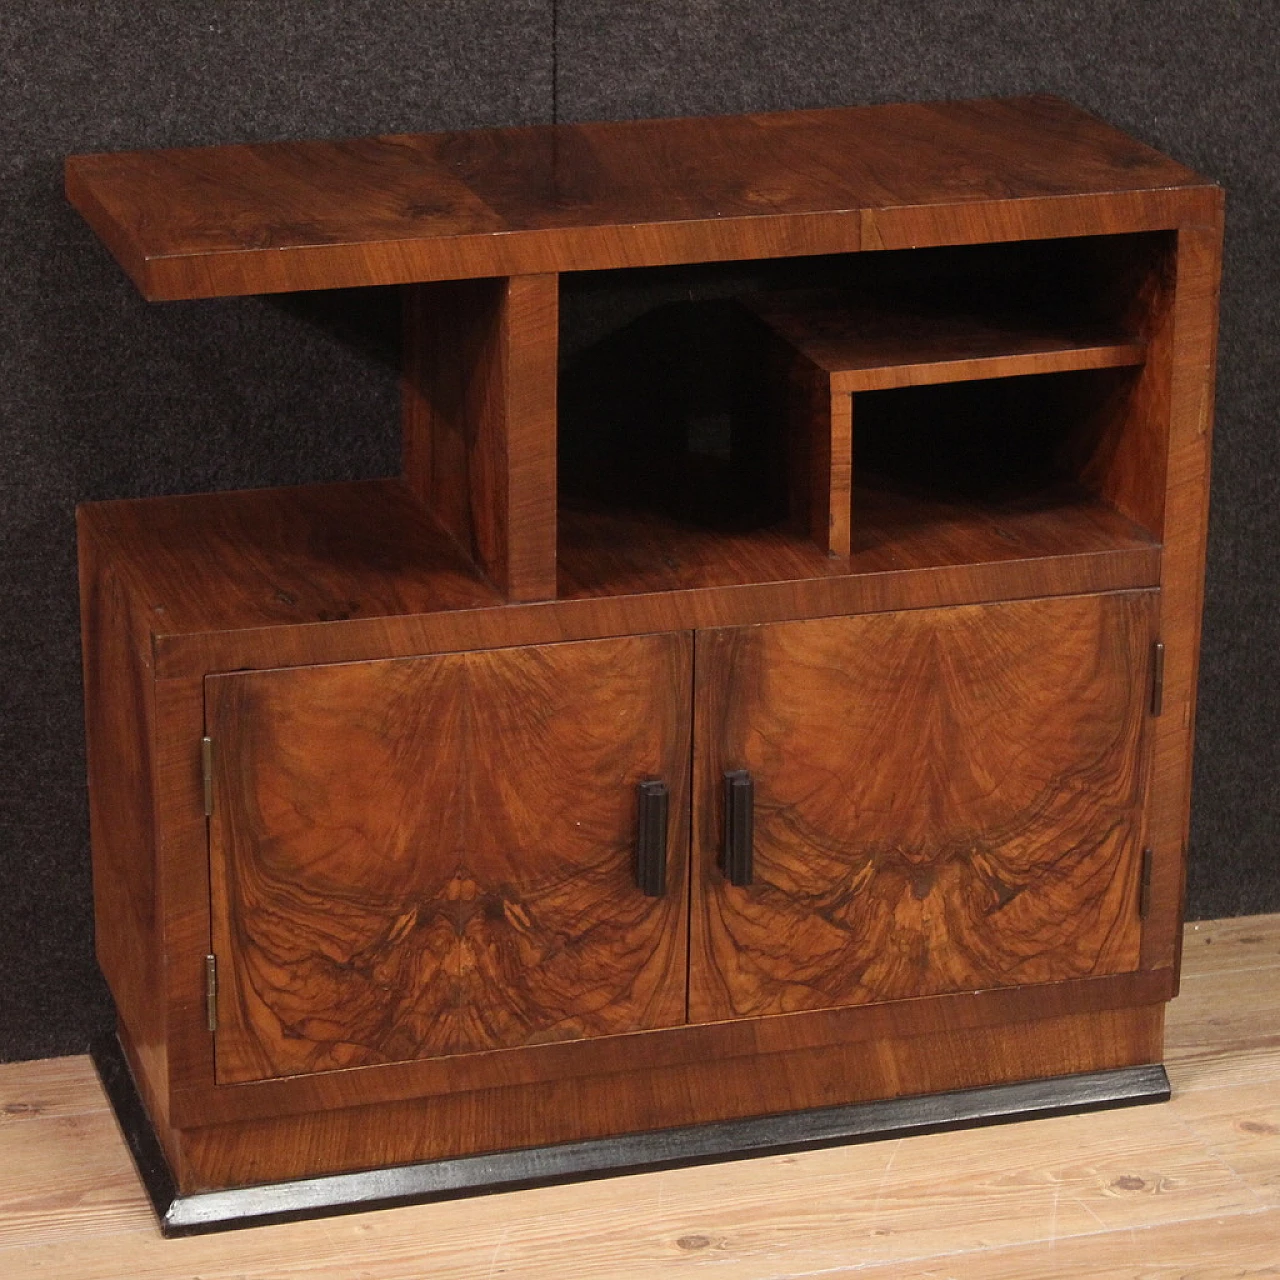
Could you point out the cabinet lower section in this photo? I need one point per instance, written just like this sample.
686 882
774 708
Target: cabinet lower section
445 1146
416 889
435 857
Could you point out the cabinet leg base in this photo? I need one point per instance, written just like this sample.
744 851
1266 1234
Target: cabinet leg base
603 1157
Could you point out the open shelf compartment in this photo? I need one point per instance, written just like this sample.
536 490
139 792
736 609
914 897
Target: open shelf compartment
973 405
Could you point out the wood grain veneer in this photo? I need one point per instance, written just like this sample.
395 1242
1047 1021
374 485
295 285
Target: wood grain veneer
435 855
769 1035
945 800
237 580
130 924
480 422
655 1098
307 215
1193 339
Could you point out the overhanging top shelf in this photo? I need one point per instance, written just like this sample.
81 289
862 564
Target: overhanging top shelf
276 217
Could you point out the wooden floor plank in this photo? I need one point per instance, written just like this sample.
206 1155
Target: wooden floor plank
1216 946
1241 1126
48 1088
1241 1247
1190 1189
749 1220
1224 1029
68 1178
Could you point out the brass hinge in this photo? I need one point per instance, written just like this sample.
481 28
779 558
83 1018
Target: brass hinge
1144 886
211 991
1157 678
206 771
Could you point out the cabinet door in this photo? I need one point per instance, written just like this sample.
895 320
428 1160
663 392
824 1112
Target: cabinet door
945 800
435 855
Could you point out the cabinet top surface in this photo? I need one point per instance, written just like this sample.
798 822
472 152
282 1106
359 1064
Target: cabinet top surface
219 221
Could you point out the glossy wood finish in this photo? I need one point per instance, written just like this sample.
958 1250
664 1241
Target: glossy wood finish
1194 343
826 346
445 572
435 855
236 580
308 215
262 558
480 422
129 925
1119 449
945 801
182 865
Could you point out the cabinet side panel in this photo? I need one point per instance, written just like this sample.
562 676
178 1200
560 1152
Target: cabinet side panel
443 339
945 800
1195 331
182 859
118 727
531 327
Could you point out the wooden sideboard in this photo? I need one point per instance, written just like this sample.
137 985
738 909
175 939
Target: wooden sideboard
758 720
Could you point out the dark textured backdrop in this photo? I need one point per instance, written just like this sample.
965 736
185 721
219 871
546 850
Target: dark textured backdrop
102 395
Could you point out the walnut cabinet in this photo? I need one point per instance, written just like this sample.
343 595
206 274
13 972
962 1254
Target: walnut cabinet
764 696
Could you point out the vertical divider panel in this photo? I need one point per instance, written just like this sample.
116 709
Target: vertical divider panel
820 451
479 421
839 474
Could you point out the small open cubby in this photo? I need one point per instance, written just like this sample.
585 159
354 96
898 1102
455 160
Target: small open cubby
868 412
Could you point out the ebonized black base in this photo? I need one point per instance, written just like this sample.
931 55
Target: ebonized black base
603 1157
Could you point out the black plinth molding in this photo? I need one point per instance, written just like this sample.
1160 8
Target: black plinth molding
604 1157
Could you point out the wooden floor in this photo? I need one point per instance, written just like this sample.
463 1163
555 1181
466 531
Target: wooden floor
1190 1189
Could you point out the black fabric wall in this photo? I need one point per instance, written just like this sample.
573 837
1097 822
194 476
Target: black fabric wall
103 395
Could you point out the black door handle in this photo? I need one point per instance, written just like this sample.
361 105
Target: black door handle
739 826
651 838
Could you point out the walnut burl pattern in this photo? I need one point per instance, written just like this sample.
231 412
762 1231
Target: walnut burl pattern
945 801
435 855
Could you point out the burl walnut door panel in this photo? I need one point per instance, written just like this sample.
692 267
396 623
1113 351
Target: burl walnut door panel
435 855
945 800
